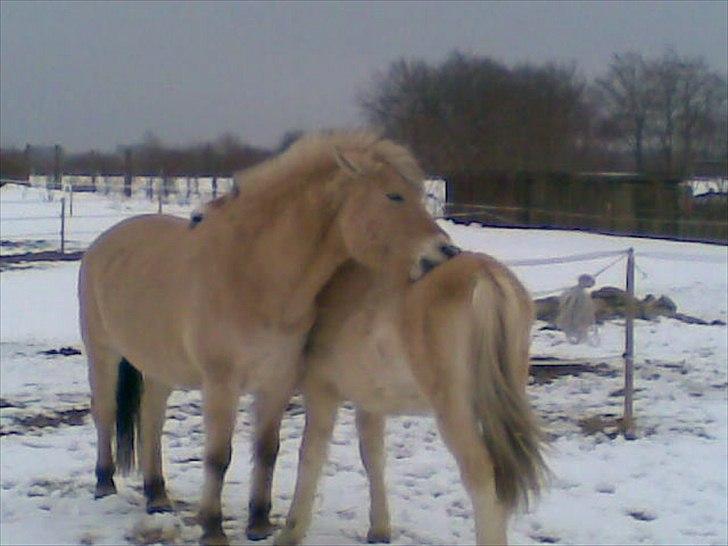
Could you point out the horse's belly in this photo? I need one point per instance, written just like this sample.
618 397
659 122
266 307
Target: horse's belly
376 375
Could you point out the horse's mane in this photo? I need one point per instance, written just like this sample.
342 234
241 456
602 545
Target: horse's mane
313 157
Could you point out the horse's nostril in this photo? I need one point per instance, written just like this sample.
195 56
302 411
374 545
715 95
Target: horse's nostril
449 250
426 265
195 219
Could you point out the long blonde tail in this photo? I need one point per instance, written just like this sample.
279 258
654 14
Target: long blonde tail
503 317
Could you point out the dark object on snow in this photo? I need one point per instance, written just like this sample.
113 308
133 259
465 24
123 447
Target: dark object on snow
612 303
63 351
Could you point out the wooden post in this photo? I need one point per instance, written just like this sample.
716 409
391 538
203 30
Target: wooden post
127 172
159 194
63 225
27 156
57 167
70 197
628 423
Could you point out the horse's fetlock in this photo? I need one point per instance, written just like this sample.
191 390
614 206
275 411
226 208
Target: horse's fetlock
267 453
154 487
105 485
218 464
259 510
211 523
376 536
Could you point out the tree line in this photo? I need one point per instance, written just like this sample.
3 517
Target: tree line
470 113
150 157
662 115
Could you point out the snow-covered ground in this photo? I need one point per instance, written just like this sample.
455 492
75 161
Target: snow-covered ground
669 486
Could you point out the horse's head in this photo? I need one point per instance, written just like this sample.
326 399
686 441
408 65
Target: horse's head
383 220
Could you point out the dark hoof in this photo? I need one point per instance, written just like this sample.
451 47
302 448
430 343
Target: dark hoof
104 490
159 507
214 539
378 537
260 531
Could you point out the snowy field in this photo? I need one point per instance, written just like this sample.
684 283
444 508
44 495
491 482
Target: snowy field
669 486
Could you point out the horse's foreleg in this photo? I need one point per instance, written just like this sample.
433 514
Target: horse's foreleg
220 405
320 418
103 374
153 407
371 449
457 424
269 409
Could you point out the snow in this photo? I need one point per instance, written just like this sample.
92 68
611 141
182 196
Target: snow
669 486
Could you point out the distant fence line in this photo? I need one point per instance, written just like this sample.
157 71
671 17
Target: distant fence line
612 203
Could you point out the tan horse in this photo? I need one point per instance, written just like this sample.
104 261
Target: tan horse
226 306
455 343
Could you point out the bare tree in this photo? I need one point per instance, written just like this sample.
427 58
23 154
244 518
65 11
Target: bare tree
472 112
664 77
702 96
627 97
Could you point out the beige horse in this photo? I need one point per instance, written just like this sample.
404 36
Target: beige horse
455 343
226 305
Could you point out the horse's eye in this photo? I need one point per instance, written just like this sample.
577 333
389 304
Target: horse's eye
395 197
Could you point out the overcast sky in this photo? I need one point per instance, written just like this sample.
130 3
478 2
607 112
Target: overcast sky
96 75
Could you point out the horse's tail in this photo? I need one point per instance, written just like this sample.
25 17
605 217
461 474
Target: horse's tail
503 317
128 400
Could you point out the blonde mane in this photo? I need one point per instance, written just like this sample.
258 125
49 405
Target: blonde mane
313 157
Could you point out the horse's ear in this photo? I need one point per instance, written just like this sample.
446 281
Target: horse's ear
345 163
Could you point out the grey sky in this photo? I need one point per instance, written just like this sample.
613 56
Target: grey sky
95 75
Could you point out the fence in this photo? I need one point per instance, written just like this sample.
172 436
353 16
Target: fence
625 204
177 195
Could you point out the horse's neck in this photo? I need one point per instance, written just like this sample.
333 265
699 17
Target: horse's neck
294 256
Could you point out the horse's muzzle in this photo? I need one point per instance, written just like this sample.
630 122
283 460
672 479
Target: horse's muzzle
439 254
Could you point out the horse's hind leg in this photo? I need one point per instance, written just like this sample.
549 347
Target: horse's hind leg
457 424
220 407
103 375
371 449
269 409
153 407
320 418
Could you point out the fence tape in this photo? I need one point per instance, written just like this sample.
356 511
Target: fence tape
670 256
565 259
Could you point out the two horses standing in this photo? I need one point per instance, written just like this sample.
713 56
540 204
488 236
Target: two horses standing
317 252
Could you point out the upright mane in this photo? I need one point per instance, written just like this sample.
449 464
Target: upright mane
313 157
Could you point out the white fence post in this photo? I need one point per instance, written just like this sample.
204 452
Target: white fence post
628 423
63 225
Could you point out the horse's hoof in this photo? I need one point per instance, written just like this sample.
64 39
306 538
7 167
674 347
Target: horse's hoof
104 490
160 508
259 531
214 539
286 538
159 505
379 536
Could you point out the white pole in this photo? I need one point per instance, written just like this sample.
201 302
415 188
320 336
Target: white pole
629 350
63 225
